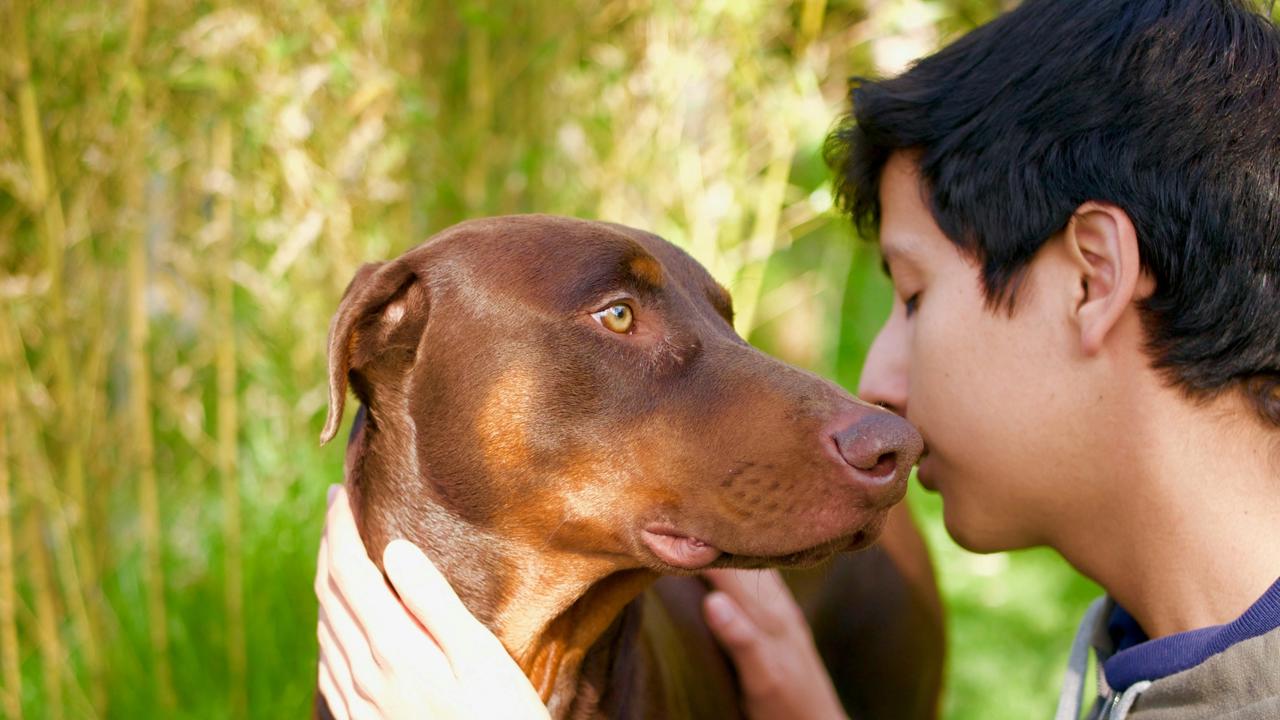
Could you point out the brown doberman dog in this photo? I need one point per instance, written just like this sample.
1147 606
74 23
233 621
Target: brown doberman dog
559 412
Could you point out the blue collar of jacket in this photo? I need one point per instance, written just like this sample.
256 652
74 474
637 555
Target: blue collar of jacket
1136 658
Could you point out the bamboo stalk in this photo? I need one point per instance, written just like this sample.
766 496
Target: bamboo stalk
98 429
479 117
9 655
763 242
760 248
140 368
225 361
47 202
37 472
48 642
811 16
144 453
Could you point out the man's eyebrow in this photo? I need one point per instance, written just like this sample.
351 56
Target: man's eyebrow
887 253
895 254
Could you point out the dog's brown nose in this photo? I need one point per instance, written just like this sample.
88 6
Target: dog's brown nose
881 447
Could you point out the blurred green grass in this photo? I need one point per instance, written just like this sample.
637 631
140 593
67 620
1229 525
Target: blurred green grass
185 189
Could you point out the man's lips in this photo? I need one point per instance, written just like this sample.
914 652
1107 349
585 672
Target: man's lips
677 550
923 474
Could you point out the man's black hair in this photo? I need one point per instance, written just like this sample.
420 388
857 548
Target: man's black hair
1169 109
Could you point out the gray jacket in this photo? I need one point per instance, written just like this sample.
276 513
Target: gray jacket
1238 682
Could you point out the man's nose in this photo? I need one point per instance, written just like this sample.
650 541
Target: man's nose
884 380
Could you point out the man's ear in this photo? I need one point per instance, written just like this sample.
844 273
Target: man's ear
1101 239
379 321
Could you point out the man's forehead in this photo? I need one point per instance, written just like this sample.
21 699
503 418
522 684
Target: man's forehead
904 207
909 234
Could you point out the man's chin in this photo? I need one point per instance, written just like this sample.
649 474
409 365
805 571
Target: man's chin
981 534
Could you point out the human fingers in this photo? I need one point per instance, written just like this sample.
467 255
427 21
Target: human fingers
369 608
344 640
491 684
382 665
763 596
431 599
335 677
342 693
333 698
428 660
782 675
326 682
745 641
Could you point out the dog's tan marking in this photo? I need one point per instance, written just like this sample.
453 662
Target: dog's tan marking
575 516
549 584
722 301
647 269
353 342
559 651
503 421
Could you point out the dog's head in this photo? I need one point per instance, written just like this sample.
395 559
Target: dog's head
578 386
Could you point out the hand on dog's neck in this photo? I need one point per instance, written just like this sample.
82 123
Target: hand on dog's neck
547 607
546 612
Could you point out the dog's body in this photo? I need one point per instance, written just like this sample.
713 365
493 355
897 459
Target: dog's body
559 412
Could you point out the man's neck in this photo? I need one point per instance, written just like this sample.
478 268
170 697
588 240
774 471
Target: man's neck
1187 538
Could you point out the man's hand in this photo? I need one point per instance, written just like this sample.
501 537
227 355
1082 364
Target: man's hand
422 655
754 616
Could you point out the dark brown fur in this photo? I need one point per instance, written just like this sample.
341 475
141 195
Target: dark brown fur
525 447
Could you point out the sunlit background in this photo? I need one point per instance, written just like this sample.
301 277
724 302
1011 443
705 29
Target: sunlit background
187 187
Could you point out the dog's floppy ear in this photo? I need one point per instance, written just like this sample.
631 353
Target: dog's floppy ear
381 315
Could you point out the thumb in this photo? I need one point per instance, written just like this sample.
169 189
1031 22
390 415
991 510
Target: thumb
429 598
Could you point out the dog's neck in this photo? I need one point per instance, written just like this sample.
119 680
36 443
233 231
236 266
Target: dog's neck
547 607
546 611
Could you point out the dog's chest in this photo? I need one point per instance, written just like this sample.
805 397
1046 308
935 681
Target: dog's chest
658 661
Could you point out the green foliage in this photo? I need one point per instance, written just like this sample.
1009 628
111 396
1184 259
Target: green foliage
267 150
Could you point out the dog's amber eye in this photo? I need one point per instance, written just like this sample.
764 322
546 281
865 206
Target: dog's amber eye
617 317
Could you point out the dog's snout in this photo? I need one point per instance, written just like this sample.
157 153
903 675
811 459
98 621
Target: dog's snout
878 445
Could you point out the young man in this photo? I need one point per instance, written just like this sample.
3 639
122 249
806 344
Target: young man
1079 206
